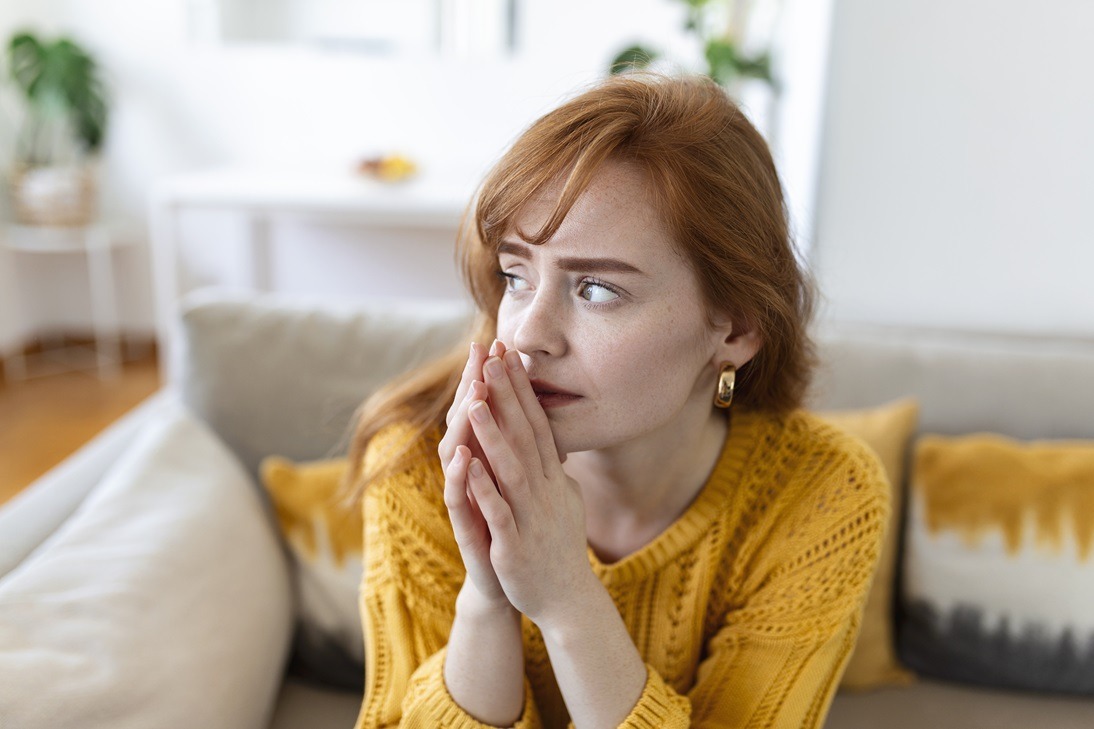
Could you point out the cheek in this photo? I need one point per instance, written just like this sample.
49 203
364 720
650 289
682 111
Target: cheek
505 327
650 372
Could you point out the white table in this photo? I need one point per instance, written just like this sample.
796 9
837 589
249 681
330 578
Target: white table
94 241
431 202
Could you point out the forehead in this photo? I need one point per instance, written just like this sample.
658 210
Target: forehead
614 216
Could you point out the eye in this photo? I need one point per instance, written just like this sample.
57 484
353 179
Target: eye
512 281
602 293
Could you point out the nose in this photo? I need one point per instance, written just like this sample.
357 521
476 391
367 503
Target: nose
541 325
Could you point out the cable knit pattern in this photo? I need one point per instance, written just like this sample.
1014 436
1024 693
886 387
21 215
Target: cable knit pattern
745 609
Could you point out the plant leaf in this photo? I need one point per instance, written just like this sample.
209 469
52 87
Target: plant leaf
60 82
632 58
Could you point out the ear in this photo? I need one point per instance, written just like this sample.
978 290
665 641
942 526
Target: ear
736 346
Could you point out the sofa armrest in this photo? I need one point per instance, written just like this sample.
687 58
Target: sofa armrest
164 601
28 519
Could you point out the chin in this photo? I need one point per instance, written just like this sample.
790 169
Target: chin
576 440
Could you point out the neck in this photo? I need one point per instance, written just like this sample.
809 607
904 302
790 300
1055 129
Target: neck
643 485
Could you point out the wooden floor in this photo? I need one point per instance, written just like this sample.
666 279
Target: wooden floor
45 418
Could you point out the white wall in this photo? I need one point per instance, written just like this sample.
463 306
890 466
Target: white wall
957 177
181 105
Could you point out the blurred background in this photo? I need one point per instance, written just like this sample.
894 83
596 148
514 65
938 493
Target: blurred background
936 156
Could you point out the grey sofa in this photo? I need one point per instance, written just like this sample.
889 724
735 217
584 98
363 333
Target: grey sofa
268 374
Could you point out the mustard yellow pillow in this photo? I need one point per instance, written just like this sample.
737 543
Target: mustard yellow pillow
325 541
887 429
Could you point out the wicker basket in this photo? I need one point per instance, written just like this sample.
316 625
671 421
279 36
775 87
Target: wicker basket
54 196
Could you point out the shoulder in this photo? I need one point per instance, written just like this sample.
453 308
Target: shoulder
818 485
825 505
408 535
861 471
407 461
826 461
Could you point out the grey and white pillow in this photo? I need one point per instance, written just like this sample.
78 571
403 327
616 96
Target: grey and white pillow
997 585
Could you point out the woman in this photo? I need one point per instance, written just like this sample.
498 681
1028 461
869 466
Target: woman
620 514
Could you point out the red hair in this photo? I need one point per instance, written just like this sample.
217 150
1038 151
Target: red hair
715 187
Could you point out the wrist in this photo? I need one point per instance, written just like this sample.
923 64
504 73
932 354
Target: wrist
470 602
564 622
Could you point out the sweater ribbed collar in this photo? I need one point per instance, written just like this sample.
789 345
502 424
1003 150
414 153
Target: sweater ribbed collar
745 427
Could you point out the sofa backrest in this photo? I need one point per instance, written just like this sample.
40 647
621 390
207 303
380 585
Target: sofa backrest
283 375
1023 386
273 374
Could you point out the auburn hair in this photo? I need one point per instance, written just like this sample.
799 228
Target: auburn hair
713 182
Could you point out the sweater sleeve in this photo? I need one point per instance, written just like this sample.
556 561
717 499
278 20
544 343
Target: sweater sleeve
413 573
777 659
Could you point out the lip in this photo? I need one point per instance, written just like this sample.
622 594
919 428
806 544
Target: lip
554 401
543 387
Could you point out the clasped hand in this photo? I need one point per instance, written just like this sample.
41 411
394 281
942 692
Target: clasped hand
518 518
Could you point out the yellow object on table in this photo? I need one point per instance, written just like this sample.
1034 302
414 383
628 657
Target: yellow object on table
389 168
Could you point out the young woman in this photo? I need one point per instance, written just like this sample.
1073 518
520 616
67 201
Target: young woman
619 514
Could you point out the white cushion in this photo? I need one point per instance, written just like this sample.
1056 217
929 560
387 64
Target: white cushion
164 601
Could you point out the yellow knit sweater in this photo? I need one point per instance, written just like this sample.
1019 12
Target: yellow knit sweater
745 609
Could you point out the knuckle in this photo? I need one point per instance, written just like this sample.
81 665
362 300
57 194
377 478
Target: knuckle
492 511
450 469
452 499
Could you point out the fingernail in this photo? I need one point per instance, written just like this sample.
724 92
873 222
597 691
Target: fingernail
494 348
493 366
478 411
476 468
458 458
472 352
512 357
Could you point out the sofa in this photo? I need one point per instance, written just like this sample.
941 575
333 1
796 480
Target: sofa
143 581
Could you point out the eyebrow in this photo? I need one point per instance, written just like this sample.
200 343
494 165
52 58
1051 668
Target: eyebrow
573 263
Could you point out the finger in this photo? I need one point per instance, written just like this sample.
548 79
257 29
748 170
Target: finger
494 508
537 417
459 430
509 413
471 371
478 393
464 526
461 433
509 470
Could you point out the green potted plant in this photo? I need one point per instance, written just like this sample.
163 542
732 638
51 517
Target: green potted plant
53 177
726 62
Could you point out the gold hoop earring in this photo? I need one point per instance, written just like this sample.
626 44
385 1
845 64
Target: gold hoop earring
726 380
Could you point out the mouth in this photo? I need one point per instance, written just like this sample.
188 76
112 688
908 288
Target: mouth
550 395
542 387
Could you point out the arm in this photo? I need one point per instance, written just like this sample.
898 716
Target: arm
484 666
598 668
409 603
484 663
535 516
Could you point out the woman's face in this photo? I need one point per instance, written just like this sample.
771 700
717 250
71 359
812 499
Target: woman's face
633 344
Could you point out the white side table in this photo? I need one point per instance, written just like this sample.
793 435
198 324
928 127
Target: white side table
94 241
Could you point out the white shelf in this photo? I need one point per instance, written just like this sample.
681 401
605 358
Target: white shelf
428 200
430 204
